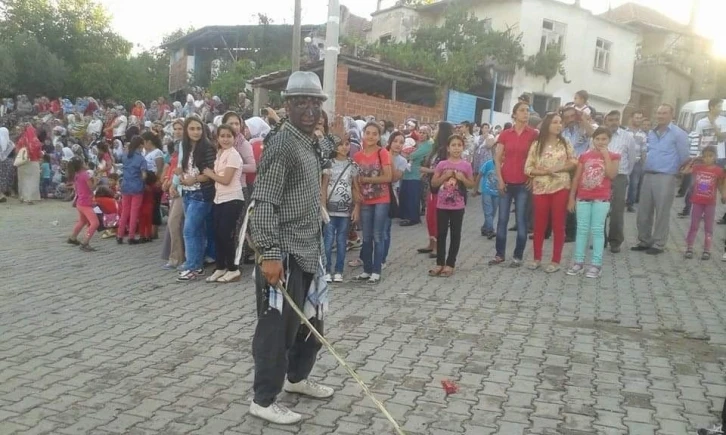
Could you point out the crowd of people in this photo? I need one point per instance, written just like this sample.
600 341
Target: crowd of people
310 196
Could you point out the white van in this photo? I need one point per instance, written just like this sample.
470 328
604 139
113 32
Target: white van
688 116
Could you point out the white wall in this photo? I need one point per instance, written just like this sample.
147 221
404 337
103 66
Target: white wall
399 22
608 90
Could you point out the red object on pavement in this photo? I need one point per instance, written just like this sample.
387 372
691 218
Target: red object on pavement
449 387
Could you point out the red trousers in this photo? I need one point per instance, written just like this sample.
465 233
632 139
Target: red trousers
431 220
550 208
146 220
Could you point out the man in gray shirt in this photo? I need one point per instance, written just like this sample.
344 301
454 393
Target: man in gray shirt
285 225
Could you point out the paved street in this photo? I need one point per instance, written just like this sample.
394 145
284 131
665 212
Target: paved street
109 343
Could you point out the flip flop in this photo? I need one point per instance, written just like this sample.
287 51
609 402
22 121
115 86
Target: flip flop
447 272
230 277
436 271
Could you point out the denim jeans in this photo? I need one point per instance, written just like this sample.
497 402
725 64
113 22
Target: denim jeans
386 239
489 205
336 231
591 217
373 218
196 217
517 193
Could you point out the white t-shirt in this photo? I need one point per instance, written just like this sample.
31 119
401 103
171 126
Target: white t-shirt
151 157
120 128
707 132
95 127
228 160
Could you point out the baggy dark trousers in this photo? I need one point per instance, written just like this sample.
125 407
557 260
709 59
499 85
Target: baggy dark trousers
282 345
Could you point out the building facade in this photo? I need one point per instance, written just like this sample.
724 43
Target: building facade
673 65
599 52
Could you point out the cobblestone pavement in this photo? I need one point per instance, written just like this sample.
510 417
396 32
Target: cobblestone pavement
109 343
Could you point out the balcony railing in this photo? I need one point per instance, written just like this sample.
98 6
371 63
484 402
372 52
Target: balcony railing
665 59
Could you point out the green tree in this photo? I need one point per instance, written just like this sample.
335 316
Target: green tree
459 53
8 72
233 76
38 71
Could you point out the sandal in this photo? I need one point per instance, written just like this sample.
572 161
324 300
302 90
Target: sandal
355 263
214 277
533 265
447 272
424 250
497 260
436 271
85 247
230 276
689 254
706 256
552 268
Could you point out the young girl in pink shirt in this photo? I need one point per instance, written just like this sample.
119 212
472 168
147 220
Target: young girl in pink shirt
84 185
453 177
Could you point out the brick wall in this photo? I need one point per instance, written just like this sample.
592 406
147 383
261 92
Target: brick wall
349 103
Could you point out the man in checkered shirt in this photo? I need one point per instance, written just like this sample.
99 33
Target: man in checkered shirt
285 225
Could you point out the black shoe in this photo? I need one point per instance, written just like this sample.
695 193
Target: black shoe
514 228
721 221
144 240
640 248
684 214
631 209
615 249
134 241
569 239
491 235
119 240
407 223
73 242
432 255
654 251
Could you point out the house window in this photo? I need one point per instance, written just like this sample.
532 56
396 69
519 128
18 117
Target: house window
552 33
385 39
602 55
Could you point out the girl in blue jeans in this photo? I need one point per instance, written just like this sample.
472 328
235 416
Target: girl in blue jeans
196 155
374 164
340 187
590 198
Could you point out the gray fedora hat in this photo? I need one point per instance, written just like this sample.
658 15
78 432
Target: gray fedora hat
304 84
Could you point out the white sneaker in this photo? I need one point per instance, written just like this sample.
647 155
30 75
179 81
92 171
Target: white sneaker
383 266
328 278
216 275
338 277
374 278
275 413
723 257
309 388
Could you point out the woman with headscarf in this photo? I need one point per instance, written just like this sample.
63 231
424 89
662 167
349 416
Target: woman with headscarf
7 172
189 108
91 108
178 110
258 130
152 114
29 171
139 110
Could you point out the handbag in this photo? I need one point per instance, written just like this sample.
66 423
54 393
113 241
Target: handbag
21 158
393 205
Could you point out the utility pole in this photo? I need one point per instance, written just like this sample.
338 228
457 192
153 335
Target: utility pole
296 36
330 65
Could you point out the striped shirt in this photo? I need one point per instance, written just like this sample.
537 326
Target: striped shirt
623 143
286 217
